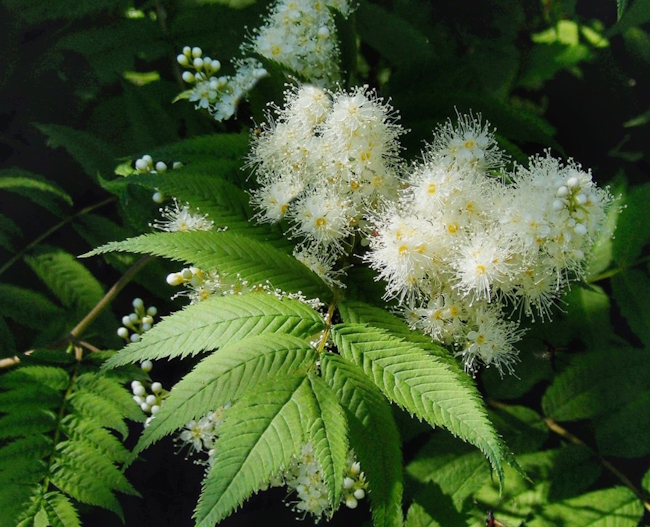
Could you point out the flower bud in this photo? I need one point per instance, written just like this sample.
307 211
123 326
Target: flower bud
123 333
146 366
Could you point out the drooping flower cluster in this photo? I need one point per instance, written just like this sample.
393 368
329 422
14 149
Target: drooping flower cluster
138 322
460 247
324 162
297 34
304 477
219 95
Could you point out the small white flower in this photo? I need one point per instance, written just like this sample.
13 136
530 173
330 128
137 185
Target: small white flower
179 218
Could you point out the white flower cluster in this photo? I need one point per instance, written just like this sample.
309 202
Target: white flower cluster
146 165
181 218
298 34
324 162
219 95
148 402
203 284
304 477
138 322
200 436
459 248
301 35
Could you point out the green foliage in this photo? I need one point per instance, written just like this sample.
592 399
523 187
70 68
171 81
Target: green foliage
55 448
343 376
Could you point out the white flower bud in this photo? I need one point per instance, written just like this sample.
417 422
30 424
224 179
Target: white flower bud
197 52
158 197
147 159
187 274
562 192
123 333
215 66
161 167
151 400
156 387
182 60
146 326
141 165
126 320
580 229
133 317
347 483
581 199
147 319
154 409
152 311
187 51
139 390
134 384
359 494
572 182
323 32
355 468
198 64
174 279
138 400
138 303
351 502
134 337
188 77
177 164
145 407
558 204
146 366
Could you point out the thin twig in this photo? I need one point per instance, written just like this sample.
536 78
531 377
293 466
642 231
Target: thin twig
50 231
76 332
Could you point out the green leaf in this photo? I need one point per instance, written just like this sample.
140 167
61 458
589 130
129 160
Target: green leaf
37 189
373 436
632 229
106 443
66 277
458 469
84 487
637 14
602 508
631 291
7 229
596 384
232 254
260 434
624 432
7 342
26 306
621 6
37 11
112 47
393 37
521 427
423 385
218 321
431 508
554 475
329 438
94 156
224 376
60 512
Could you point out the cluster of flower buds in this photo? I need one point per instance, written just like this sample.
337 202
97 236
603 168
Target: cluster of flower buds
219 95
136 323
304 476
146 165
354 484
